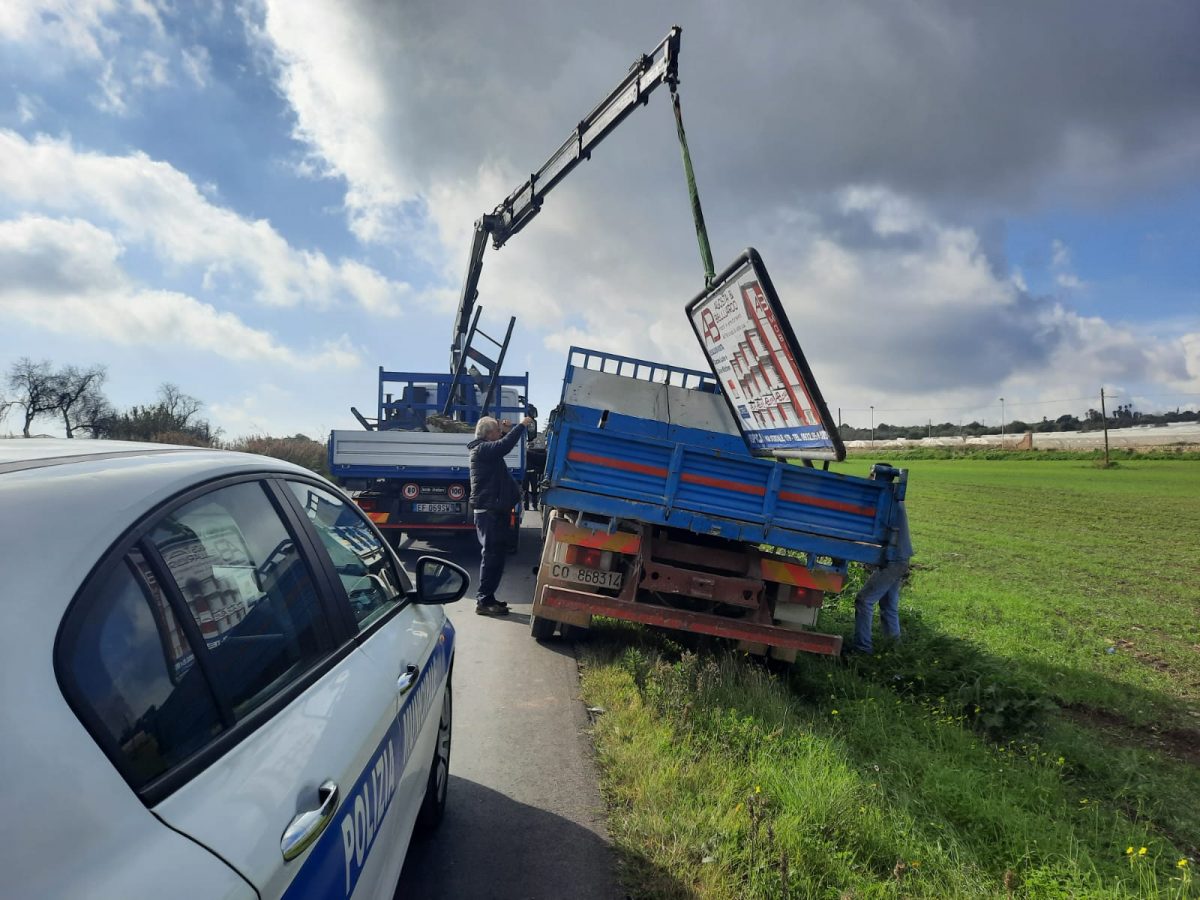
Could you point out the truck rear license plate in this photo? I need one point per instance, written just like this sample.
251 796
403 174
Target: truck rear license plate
436 507
590 577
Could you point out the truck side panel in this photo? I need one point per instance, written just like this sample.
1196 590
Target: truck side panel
802 508
387 454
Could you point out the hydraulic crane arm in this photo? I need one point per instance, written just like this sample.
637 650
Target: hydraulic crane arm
660 66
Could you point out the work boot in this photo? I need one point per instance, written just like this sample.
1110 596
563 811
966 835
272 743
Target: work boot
492 608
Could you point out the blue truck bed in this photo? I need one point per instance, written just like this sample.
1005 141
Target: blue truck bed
654 467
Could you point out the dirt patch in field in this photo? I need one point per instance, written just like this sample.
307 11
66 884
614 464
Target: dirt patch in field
1180 743
1141 656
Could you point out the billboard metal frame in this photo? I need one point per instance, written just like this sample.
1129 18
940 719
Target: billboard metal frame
835 450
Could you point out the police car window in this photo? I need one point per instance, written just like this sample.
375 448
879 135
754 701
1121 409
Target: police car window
131 665
247 586
361 560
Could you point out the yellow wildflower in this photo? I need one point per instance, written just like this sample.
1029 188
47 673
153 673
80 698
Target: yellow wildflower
1182 864
834 712
1142 851
758 789
1129 851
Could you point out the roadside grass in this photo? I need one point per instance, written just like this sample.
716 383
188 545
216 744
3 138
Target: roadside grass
1038 727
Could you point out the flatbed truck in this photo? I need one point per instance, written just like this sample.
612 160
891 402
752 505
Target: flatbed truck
655 512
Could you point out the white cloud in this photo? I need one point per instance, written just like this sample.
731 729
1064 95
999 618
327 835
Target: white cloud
327 67
64 276
76 25
197 64
26 108
1060 264
1060 256
850 191
125 44
151 70
149 202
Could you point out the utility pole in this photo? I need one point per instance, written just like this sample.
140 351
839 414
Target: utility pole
929 430
872 426
1001 420
1104 419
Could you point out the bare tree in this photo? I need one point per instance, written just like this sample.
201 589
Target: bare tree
178 405
173 419
94 414
79 395
34 389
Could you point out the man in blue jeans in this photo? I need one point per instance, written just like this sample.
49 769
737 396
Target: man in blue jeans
883 585
494 494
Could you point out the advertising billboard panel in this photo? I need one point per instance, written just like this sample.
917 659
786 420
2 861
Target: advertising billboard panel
745 333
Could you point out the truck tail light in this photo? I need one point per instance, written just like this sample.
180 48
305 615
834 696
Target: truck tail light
583 556
366 504
411 491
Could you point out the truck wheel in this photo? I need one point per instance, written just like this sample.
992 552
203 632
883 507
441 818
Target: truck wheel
573 632
541 629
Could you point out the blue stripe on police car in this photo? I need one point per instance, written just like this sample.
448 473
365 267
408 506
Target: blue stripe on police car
335 862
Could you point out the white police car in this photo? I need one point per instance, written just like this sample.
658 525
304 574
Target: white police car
216 679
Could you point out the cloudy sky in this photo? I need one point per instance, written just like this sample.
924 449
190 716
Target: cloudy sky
262 201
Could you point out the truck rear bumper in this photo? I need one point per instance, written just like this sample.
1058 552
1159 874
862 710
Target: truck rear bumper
572 601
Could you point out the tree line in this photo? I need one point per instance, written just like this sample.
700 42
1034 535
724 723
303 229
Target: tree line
1122 417
73 396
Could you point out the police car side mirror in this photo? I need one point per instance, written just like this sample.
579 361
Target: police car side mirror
439 581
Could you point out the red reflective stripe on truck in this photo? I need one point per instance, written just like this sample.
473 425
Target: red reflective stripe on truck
611 463
809 500
709 481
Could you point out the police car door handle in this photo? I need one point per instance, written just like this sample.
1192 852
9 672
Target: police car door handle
407 679
307 827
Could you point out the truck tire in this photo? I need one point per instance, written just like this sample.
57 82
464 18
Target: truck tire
541 629
573 632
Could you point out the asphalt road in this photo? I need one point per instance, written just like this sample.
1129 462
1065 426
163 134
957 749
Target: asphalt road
524 818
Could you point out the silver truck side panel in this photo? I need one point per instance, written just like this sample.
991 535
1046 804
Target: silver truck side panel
413 449
660 402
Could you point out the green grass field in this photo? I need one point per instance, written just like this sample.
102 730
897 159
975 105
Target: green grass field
1036 734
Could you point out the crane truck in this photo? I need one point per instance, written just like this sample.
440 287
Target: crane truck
407 466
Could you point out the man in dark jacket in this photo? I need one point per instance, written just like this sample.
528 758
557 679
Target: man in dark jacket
495 495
